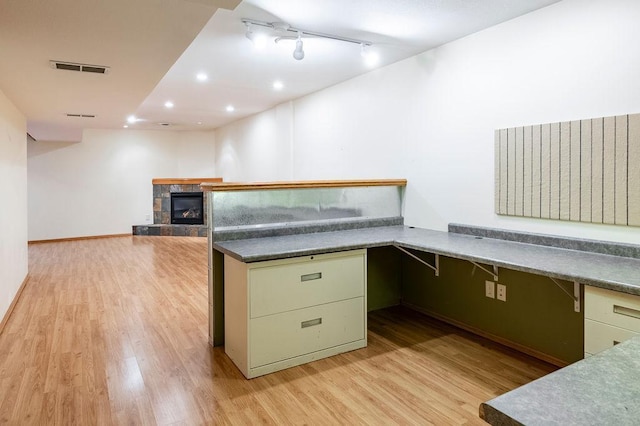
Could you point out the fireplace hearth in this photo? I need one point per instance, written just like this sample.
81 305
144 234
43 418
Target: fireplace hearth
192 223
187 208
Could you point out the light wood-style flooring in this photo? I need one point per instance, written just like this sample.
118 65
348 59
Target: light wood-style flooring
114 331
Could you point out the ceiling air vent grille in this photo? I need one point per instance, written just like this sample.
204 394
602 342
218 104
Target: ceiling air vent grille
70 66
82 115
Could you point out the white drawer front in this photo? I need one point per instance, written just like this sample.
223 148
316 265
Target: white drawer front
290 334
305 282
599 336
612 307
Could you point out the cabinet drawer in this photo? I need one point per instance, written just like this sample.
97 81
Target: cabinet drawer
612 307
279 286
599 336
290 334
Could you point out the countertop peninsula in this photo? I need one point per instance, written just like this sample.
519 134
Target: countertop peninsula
601 270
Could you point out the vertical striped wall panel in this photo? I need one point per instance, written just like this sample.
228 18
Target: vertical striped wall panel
608 171
597 164
526 169
519 175
634 170
620 171
536 187
554 172
496 162
503 171
511 171
583 170
575 172
565 170
586 168
545 167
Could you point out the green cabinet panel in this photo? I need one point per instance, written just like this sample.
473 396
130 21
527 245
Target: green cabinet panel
384 277
537 314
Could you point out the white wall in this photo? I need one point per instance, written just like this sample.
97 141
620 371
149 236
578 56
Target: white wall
102 185
431 118
13 202
257 148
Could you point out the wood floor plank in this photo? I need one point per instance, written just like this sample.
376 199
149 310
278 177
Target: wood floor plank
114 331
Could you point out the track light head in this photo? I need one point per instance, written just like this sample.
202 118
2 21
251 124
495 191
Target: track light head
249 34
298 53
259 40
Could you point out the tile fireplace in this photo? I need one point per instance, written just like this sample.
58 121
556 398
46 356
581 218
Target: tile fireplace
187 217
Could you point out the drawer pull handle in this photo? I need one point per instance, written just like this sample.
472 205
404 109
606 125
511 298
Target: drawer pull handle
311 277
311 323
633 313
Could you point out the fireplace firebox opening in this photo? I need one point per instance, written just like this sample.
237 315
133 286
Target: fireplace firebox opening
187 208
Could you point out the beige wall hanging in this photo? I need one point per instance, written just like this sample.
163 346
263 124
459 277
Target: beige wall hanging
584 170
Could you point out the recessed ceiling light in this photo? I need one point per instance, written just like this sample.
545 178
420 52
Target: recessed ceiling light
168 104
199 123
230 108
278 85
202 76
131 119
126 126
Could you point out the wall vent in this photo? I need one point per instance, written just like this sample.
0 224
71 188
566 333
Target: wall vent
70 66
82 115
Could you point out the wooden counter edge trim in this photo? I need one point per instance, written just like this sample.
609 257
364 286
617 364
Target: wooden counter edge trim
250 186
184 181
13 304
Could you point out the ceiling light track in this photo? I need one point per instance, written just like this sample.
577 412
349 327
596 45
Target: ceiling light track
282 29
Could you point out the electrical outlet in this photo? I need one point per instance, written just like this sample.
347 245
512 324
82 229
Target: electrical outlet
148 218
490 289
502 292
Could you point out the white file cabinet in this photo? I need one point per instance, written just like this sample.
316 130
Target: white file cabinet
283 313
610 317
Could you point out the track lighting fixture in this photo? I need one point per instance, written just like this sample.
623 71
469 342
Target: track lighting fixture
258 40
283 31
249 34
298 53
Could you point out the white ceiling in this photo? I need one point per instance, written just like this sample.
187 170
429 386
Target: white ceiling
155 48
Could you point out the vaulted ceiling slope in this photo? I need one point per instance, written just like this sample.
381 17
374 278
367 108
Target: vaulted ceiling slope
155 48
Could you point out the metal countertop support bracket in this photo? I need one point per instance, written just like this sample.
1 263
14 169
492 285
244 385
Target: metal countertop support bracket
575 296
435 268
494 273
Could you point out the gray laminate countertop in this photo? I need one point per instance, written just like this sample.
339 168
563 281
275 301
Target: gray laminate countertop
600 270
600 390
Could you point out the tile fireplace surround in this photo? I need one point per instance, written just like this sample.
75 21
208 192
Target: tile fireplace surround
162 189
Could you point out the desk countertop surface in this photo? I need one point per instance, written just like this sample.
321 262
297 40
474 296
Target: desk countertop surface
601 390
600 270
